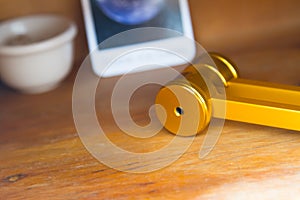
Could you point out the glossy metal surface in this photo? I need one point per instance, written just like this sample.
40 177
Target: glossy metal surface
248 101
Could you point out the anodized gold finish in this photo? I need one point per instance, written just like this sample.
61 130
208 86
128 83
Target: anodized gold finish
186 104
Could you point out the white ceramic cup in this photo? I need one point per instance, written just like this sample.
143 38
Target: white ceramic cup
36 52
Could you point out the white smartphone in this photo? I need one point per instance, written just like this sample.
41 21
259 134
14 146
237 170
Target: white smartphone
101 24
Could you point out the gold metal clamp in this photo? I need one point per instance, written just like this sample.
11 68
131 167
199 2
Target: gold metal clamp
247 101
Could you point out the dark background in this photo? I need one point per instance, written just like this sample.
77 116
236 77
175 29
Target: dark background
169 17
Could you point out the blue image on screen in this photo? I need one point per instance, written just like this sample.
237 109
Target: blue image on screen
107 25
131 12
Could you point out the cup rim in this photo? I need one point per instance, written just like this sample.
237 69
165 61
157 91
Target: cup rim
65 36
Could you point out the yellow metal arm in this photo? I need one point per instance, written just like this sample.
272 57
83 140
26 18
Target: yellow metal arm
248 101
262 103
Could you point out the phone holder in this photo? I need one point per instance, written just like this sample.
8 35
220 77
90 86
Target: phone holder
247 101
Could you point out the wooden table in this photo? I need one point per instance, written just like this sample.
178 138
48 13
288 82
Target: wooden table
42 157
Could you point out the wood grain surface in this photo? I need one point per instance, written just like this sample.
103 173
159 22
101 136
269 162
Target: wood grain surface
42 157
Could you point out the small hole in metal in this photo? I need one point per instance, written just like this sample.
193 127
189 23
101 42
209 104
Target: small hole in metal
179 111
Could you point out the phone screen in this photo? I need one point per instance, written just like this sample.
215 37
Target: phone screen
168 17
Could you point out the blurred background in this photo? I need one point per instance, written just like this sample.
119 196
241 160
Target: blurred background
256 31
41 153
